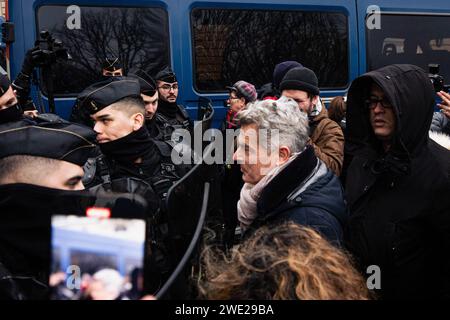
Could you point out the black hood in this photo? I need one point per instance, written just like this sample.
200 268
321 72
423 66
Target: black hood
410 92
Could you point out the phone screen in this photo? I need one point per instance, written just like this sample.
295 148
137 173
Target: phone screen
96 258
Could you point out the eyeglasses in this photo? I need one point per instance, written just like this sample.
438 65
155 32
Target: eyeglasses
167 87
371 103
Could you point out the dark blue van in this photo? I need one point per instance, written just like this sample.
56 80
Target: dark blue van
212 44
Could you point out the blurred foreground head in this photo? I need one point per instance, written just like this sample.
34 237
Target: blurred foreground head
288 262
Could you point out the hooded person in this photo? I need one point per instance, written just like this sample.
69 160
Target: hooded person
173 116
40 175
397 184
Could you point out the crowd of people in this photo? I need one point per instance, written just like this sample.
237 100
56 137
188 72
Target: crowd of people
331 194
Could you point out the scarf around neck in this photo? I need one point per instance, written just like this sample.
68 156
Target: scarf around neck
250 194
167 109
129 148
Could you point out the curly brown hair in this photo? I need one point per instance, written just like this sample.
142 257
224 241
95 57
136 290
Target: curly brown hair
286 262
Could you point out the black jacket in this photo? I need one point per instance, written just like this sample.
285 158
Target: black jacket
25 236
305 192
399 200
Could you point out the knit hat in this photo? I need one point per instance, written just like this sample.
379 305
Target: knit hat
281 69
301 78
245 89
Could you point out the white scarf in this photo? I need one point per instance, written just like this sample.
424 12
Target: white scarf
250 194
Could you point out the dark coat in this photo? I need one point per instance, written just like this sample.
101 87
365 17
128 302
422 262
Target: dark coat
399 200
320 206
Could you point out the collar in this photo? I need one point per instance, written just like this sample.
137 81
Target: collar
286 181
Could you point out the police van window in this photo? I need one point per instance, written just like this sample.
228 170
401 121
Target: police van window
139 37
231 45
413 39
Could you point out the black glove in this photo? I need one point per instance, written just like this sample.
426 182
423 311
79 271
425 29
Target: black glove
34 57
22 83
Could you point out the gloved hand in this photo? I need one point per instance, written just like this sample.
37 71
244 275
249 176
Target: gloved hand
21 86
33 58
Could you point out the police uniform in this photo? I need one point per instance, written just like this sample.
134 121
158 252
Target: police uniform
26 209
170 116
12 113
78 114
22 84
111 64
116 167
148 87
119 156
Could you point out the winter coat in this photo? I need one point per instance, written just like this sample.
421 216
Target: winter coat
305 192
399 200
440 123
328 140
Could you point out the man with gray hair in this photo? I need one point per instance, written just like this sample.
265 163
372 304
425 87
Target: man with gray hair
284 179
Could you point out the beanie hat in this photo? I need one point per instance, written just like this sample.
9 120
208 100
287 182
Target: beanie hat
281 69
301 78
245 89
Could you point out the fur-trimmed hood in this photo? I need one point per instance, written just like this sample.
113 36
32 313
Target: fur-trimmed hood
440 138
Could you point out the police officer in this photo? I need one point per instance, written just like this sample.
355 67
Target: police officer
117 110
173 115
150 95
9 107
111 67
22 84
40 171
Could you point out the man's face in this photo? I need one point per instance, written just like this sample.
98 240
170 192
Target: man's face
116 73
236 104
382 117
151 105
254 159
111 124
66 176
168 91
58 174
8 99
305 103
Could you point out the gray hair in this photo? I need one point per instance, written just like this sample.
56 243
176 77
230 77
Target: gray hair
284 116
